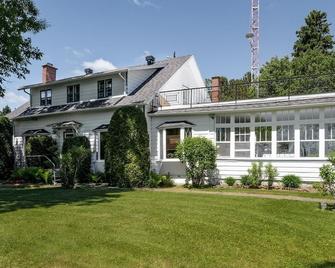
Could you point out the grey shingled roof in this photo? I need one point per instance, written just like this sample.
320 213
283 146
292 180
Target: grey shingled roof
143 95
256 104
19 110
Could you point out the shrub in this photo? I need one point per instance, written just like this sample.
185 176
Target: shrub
256 174
327 173
230 181
32 175
157 180
199 156
85 167
98 177
291 181
6 148
246 181
71 165
42 145
127 148
270 173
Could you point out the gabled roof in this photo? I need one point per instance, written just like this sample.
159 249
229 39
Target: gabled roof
141 95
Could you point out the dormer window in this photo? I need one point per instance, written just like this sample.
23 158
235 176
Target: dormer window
45 97
105 88
73 93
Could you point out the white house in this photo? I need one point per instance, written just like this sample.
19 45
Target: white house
294 133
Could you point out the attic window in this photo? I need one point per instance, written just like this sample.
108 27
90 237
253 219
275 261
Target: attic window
45 97
73 93
105 88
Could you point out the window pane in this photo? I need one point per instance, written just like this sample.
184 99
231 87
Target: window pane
223 149
172 139
242 154
263 117
223 119
285 115
76 96
330 113
330 147
285 148
108 87
309 149
309 114
187 132
263 149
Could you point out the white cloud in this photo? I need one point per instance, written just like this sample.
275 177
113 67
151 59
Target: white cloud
13 99
78 53
145 3
141 59
99 65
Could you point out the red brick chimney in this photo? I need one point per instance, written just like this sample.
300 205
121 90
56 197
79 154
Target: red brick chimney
48 73
215 93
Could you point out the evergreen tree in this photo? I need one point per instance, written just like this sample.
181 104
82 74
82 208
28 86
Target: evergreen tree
6 110
6 148
314 35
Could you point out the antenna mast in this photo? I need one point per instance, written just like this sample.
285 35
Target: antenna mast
253 37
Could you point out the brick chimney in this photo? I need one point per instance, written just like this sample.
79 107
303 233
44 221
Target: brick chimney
215 93
48 73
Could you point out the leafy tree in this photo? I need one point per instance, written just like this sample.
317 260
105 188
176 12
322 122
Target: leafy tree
6 110
18 18
72 164
85 165
199 156
42 145
314 35
6 148
127 161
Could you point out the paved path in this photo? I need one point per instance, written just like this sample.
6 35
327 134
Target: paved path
266 196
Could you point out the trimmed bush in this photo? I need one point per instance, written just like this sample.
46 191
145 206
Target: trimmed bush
291 181
246 181
72 165
199 156
32 175
6 148
42 145
230 181
270 173
256 174
85 167
127 161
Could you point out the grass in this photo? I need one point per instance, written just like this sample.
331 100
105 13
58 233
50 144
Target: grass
268 192
111 228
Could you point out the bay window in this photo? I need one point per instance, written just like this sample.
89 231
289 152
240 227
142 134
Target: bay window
172 139
309 140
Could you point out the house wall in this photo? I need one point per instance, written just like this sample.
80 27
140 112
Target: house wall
205 125
89 120
137 77
88 90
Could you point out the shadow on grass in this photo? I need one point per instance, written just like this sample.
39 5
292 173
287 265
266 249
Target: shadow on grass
326 264
16 199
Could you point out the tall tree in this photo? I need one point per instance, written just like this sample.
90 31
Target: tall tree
315 34
6 148
18 19
6 110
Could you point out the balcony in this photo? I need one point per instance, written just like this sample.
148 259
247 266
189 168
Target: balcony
236 92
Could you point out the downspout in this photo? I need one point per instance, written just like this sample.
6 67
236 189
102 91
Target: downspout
28 94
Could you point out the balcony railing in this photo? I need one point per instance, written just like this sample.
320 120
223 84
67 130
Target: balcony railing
286 87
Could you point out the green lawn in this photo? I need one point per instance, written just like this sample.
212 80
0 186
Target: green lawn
106 228
268 192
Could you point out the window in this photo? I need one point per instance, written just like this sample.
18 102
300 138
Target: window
263 117
102 145
309 140
330 113
263 141
242 118
285 116
45 97
223 141
285 140
242 141
187 132
105 88
68 133
309 114
172 139
73 93
329 138
223 119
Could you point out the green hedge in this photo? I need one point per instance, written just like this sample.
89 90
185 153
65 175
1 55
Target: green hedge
127 148
85 169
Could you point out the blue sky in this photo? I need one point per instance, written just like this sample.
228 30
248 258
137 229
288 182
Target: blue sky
106 33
